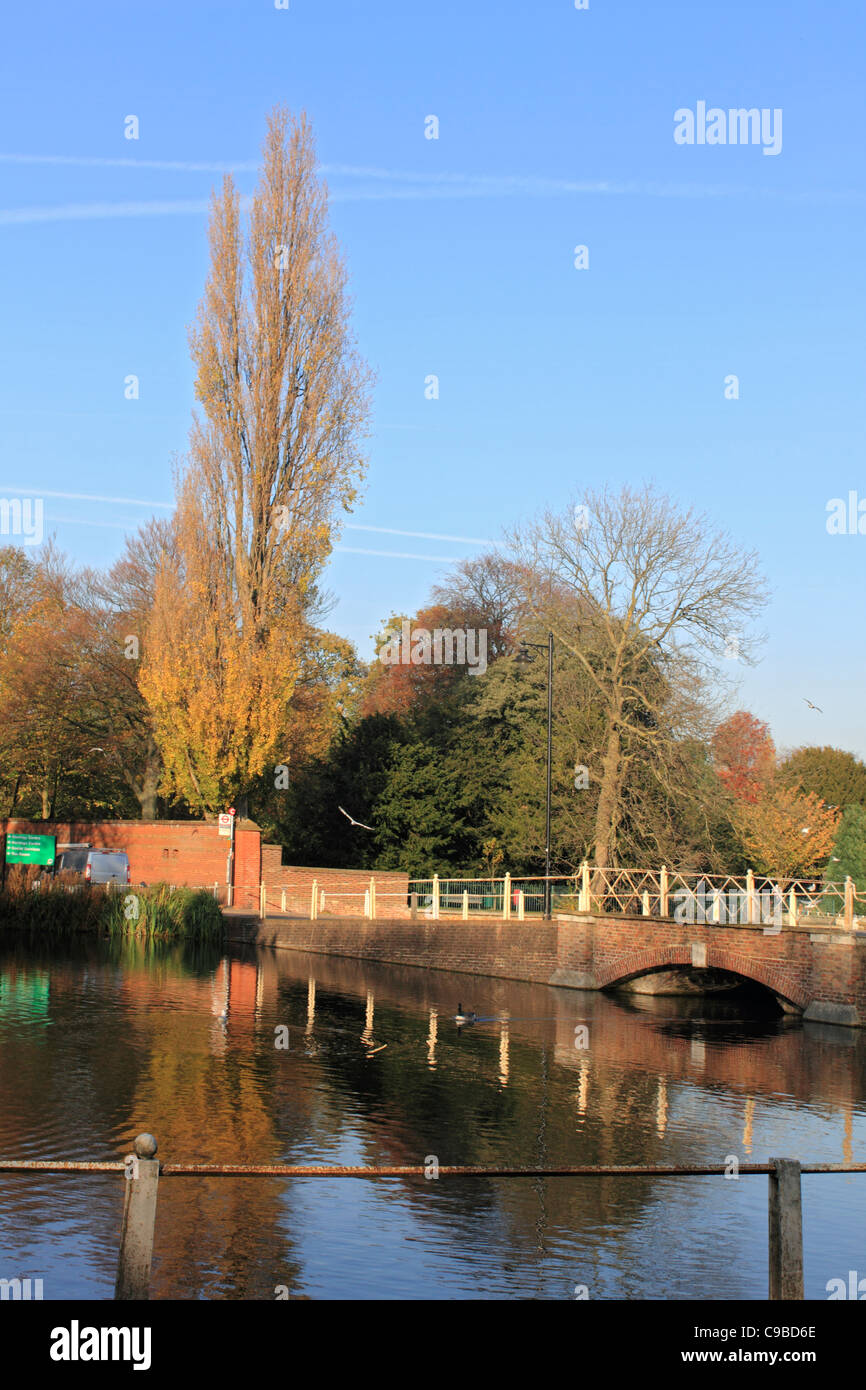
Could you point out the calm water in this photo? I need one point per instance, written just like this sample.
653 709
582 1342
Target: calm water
99 1042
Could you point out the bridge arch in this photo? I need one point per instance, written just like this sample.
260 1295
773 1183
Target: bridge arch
772 975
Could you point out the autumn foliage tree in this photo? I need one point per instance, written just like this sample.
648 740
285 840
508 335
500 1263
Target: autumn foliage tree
16 590
744 755
51 716
785 832
119 605
401 680
272 459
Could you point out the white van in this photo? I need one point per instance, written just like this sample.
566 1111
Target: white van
93 865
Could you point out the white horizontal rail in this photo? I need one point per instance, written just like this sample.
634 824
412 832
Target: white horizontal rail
688 895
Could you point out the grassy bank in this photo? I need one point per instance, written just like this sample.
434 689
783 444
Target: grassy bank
156 912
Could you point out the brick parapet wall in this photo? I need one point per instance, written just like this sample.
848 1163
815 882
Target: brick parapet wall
513 950
344 889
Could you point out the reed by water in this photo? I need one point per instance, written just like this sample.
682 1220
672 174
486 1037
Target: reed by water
157 911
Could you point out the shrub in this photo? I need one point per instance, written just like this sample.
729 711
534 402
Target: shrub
161 911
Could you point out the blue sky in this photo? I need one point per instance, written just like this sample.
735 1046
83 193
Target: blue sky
555 129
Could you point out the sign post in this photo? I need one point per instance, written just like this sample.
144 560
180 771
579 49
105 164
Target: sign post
227 827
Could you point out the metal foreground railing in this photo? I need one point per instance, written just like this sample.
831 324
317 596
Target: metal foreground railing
143 1172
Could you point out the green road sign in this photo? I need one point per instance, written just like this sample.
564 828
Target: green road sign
30 849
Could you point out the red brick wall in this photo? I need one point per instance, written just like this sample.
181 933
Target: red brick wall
343 888
515 950
190 853
193 853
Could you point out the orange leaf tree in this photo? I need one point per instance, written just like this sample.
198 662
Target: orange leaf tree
274 457
785 832
744 755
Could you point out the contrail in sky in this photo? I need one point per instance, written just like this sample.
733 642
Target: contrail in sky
94 161
169 506
419 535
394 184
345 549
398 554
86 212
87 497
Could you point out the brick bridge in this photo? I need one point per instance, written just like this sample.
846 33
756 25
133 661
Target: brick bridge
817 971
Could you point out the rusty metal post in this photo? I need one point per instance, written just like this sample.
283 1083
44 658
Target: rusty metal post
786 1230
139 1216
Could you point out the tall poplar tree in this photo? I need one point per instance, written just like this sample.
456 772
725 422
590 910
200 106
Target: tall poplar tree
273 458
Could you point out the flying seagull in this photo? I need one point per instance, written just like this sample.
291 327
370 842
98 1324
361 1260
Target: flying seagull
355 822
811 706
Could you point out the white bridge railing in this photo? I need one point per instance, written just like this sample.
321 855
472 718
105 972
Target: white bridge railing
750 899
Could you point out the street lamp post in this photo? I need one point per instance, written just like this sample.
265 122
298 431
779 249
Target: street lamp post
524 655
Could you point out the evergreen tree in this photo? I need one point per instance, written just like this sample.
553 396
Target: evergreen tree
839 778
849 850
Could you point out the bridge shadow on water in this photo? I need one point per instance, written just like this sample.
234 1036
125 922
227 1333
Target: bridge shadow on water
745 1010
